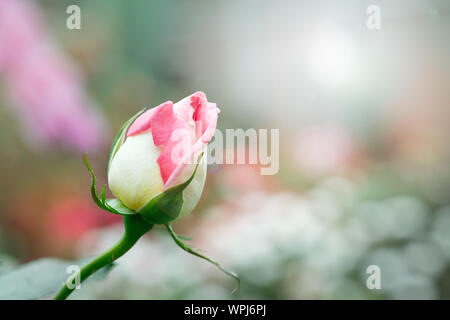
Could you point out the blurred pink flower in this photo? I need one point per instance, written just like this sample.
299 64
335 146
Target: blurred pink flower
71 216
43 85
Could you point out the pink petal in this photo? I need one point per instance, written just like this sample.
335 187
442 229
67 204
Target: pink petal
164 123
166 119
205 116
143 123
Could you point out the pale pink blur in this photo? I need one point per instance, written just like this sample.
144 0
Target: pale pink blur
43 86
326 148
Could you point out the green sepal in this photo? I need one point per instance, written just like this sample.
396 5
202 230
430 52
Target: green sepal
103 195
110 205
182 237
117 205
166 206
193 251
121 135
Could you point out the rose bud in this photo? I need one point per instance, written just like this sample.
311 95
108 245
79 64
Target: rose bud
157 172
157 167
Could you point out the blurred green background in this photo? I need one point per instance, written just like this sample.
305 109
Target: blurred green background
364 175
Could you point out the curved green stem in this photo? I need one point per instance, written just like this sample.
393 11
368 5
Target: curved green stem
135 227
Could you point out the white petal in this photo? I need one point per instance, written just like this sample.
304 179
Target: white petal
134 175
194 190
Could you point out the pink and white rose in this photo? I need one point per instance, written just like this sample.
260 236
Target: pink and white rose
155 151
